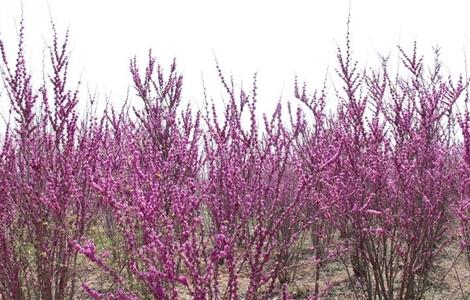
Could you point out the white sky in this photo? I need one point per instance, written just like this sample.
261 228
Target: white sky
277 39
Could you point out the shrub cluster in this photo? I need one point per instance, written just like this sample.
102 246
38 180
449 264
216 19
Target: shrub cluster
159 201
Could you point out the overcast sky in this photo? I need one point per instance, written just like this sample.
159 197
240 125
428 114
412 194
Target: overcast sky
277 39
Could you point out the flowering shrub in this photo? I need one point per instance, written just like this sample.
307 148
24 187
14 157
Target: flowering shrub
48 163
399 169
255 194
